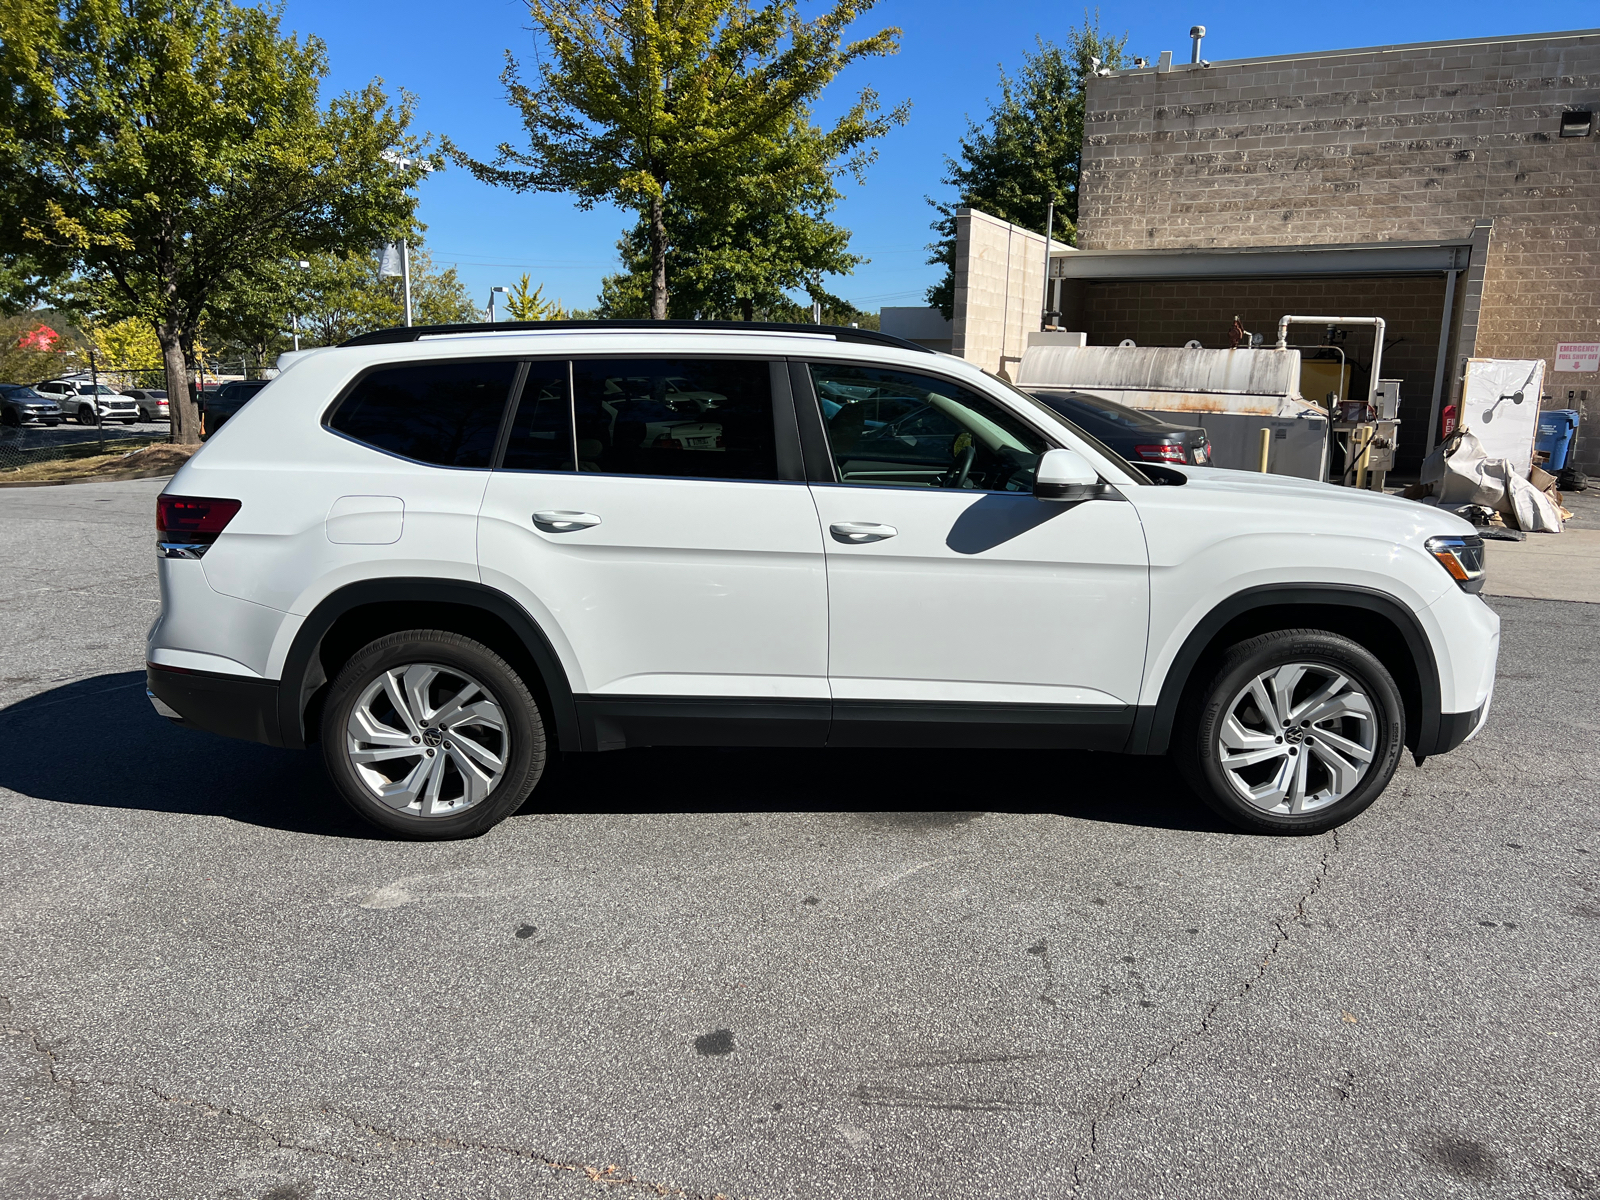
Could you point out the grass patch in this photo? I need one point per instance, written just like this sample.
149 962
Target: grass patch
86 460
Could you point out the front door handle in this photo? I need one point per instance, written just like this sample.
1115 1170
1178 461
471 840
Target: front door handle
859 533
557 520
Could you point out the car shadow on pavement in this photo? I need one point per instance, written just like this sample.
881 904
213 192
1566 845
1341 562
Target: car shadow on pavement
98 742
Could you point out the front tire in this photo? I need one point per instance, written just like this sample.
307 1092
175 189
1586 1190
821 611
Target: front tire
1295 732
432 735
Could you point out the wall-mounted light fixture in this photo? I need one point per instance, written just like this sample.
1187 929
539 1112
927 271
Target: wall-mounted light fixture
1577 124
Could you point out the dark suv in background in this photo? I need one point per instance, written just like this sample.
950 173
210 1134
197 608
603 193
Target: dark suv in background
216 407
20 404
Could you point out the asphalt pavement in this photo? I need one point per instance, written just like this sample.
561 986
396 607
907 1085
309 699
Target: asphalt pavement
783 974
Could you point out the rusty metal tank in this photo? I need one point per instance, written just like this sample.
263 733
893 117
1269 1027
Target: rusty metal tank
1231 394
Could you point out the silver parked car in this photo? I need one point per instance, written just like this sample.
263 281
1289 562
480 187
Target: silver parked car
152 403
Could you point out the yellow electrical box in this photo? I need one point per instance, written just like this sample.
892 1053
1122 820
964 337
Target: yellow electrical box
1319 376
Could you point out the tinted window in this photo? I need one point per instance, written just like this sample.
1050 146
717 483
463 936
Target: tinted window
446 413
899 429
691 418
541 433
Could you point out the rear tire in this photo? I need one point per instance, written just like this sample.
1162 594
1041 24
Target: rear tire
431 735
1295 732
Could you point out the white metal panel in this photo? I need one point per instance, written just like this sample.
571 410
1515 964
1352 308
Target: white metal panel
1228 531
685 587
1489 407
985 597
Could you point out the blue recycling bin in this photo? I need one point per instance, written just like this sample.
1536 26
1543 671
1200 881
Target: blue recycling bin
1556 429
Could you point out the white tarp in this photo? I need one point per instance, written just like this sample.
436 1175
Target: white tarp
1500 404
1462 474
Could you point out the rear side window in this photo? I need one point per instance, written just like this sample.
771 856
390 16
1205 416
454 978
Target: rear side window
541 432
684 418
447 414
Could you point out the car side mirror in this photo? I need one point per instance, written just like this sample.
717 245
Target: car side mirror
1066 475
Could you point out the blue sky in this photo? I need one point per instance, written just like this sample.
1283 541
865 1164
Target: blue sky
450 56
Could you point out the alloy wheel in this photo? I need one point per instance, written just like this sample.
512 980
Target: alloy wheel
428 740
1297 738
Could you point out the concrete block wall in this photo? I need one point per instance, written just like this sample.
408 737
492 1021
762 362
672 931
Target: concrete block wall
1402 143
999 290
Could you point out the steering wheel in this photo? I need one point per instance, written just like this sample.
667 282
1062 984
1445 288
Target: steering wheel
958 473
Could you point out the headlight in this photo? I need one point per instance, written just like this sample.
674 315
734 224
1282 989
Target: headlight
1462 557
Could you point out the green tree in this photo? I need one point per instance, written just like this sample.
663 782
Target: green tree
525 305
741 244
636 101
342 295
170 149
1028 151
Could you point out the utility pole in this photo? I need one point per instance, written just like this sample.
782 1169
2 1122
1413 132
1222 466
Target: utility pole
492 291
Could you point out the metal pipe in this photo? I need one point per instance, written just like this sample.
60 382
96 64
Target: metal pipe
1377 342
1049 231
1443 359
1197 32
1266 447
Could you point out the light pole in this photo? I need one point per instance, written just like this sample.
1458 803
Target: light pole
396 160
492 291
294 316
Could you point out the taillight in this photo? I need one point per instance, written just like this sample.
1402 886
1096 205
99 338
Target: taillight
1170 452
187 525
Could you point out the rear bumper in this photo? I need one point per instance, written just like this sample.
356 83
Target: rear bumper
229 705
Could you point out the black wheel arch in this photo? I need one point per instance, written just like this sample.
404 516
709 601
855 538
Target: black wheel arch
1385 626
361 612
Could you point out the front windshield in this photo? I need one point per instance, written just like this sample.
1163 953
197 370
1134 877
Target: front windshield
1095 443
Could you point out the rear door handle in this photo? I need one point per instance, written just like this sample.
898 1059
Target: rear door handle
557 520
859 533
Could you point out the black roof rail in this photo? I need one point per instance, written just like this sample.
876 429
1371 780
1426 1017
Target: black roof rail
840 333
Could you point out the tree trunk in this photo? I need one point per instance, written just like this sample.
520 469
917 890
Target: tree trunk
184 411
658 260
747 307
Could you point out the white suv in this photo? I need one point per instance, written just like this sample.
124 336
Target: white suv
442 552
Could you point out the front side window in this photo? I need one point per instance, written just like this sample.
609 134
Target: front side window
444 413
898 429
684 418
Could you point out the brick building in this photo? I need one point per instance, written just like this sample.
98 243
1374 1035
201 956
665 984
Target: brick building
1451 188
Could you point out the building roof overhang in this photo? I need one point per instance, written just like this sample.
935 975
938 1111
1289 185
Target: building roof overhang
1248 262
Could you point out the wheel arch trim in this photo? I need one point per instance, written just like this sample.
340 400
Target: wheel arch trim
293 696
1152 730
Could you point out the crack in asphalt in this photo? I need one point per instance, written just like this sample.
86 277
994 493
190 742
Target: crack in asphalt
1121 1099
608 1174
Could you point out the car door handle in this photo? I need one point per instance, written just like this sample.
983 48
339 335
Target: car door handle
556 520
859 533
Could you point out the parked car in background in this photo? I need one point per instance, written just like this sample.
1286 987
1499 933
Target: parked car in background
216 407
152 403
80 400
1131 433
20 404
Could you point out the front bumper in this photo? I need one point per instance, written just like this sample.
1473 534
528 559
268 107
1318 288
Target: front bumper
230 705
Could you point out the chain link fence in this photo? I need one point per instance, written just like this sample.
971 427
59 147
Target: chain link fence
30 448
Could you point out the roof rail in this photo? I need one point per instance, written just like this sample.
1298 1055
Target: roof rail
412 333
